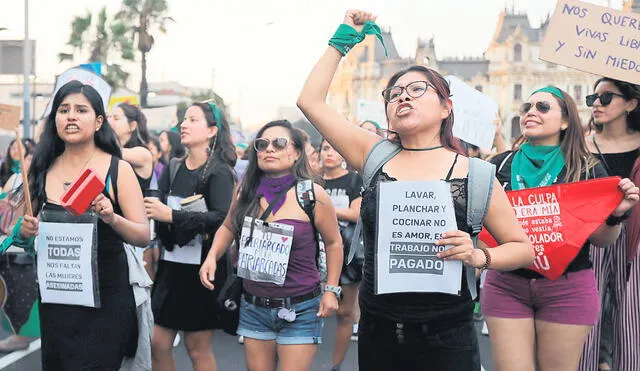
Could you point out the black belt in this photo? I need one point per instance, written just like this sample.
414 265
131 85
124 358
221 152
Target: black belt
274 303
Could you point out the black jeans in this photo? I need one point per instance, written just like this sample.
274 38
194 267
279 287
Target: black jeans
386 345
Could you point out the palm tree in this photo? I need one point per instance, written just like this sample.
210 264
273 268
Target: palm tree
147 15
106 36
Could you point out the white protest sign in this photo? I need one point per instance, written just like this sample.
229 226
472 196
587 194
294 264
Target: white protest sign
191 252
65 264
371 110
474 113
161 118
266 257
594 39
412 215
86 77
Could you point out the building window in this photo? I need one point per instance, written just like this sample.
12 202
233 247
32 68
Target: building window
517 91
577 93
517 53
515 127
479 88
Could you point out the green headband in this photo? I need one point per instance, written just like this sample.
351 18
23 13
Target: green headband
217 115
242 145
551 90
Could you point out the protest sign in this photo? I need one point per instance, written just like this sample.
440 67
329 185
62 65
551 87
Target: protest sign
66 269
412 216
371 110
9 116
161 118
559 219
264 255
86 77
594 39
474 113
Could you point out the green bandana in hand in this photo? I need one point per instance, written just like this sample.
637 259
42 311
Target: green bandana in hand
346 37
536 166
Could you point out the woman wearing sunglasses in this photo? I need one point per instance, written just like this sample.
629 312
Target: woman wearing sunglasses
197 192
615 121
282 309
407 330
534 320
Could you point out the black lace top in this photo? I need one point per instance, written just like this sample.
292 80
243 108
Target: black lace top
411 307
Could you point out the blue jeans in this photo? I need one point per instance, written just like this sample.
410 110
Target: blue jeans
263 323
387 345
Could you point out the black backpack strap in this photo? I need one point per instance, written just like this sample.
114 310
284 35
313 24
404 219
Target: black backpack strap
174 166
306 196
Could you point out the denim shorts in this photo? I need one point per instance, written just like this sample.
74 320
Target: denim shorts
263 323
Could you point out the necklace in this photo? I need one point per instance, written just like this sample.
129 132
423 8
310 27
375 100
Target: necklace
66 185
421 149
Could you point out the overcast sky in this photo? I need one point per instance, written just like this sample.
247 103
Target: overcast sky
256 54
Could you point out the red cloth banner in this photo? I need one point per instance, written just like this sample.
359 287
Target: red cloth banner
560 218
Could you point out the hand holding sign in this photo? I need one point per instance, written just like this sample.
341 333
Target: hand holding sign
29 227
462 249
631 197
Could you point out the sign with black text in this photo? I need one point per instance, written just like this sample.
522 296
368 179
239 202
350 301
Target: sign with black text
412 216
594 39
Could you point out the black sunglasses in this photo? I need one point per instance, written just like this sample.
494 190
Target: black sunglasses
542 106
261 144
605 98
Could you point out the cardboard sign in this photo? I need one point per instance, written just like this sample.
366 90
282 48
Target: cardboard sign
412 215
86 77
559 219
474 113
594 39
9 116
371 110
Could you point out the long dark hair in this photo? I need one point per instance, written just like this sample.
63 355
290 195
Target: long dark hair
51 146
140 136
224 152
444 92
577 158
177 148
629 91
247 201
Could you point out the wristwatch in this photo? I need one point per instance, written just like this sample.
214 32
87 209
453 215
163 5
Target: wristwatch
612 221
337 290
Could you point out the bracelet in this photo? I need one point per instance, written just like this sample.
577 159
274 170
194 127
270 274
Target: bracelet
612 220
487 257
346 37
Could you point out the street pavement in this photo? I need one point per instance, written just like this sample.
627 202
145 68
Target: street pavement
230 355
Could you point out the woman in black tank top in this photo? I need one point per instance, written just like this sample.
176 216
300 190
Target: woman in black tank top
130 126
406 330
615 141
77 137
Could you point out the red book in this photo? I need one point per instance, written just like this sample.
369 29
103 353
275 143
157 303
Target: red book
85 189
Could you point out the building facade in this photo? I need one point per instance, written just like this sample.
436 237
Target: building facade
508 71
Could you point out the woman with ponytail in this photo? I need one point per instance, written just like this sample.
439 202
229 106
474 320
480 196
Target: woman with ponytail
130 126
195 194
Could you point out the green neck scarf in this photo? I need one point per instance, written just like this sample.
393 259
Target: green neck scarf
536 166
15 167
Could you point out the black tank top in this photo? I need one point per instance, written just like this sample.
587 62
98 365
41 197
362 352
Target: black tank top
411 307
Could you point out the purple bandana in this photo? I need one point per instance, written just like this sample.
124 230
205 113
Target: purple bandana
270 188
